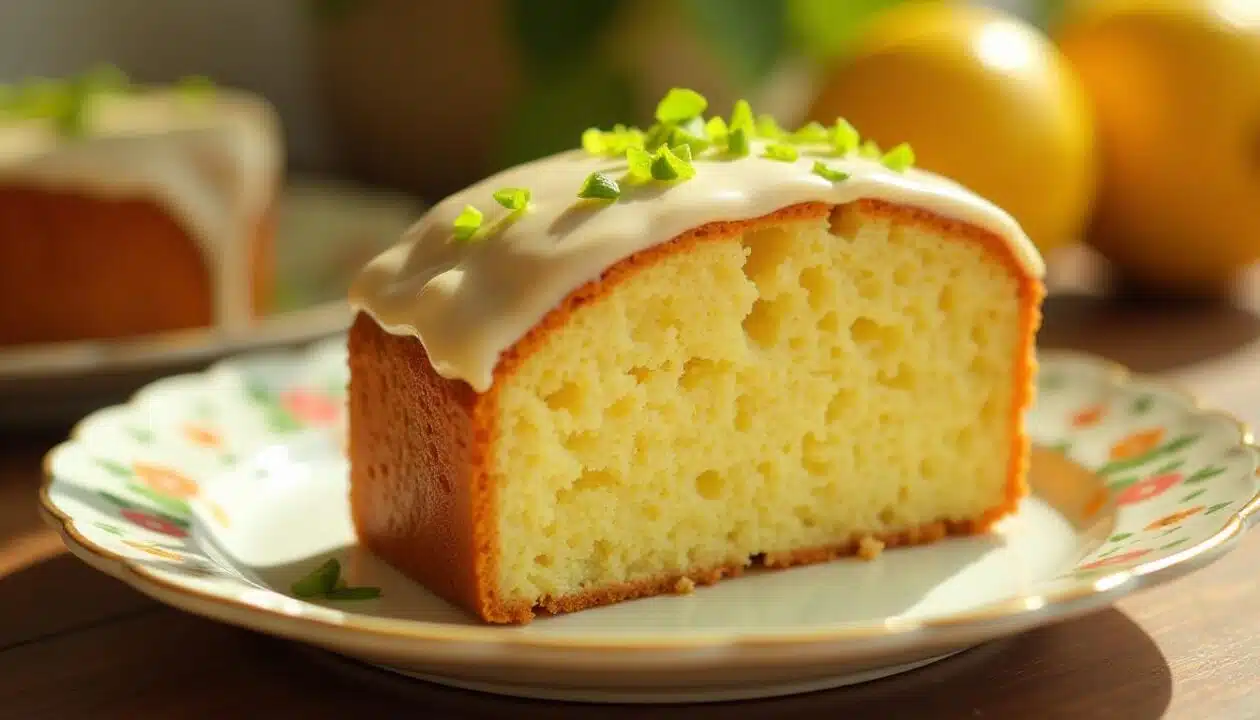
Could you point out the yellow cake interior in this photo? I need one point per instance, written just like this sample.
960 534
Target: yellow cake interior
796 387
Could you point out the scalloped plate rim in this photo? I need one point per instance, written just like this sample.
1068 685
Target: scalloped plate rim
999 618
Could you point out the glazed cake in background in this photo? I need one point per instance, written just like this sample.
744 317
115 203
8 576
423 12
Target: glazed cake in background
126 211
744 359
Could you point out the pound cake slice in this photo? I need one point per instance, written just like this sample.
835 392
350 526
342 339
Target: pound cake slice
624 370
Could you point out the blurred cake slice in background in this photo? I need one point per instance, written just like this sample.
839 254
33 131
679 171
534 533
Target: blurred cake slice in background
127 211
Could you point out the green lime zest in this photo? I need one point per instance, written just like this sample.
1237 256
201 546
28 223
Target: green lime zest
717 131
467 222
320 581
691 134
639 164
680 105
611 143
512 198
811 133
599 186
593 141
870 150
742 118
670 165
899 159
844 137
781 152
822 170
739 144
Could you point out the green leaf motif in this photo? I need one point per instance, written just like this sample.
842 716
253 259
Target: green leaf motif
1174 543
175 506
114 468
1193 495
1118 537
115 500
1203 474
1175 445
1168 467
1142 405
141 435
1121 484
1217 508
111 529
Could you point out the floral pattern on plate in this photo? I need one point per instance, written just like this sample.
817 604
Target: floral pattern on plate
133 489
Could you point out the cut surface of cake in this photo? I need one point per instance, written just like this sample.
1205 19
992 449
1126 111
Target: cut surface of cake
128 210
755 359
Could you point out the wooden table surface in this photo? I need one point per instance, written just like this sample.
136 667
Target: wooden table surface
77 644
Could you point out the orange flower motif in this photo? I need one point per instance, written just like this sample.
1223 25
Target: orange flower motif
155 550
1175 518
1137 444
1088 417
203 436
165 480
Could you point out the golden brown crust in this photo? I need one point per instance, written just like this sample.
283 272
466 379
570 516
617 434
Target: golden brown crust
420 444
74 267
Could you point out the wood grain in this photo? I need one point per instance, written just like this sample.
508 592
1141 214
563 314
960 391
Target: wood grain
75 644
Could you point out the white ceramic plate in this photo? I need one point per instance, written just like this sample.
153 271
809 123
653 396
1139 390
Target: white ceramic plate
214 492
325 231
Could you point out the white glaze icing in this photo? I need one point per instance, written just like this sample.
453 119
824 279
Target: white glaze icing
214 163
468 302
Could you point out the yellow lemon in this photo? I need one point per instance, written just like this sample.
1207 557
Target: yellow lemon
1175 86
984 98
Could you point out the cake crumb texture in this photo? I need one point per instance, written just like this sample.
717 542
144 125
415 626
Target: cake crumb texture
820 382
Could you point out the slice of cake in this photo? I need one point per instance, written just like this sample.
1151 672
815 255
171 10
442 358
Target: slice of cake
736 346
127 210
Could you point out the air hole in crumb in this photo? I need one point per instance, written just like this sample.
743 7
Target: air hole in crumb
946 301
980 335
904 275
543 560
902 378
766 251
640 374
903 494
820 289
744 411
887 516
845 221
869 287
710 484
698 372
840 402
624 407
829 323
762 324
593 479
569 397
